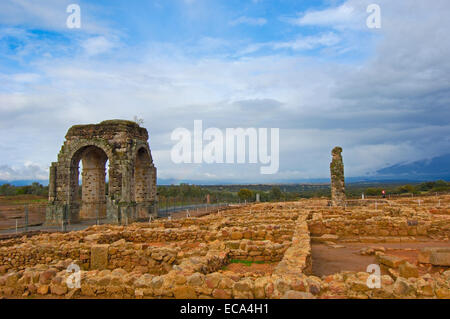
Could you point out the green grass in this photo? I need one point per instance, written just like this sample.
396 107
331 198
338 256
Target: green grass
246 262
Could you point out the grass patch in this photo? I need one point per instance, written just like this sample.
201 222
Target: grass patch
246 262
23 199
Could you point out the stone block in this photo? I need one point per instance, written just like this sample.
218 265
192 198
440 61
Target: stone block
99 256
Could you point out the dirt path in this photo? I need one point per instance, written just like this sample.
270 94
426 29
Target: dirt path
327 260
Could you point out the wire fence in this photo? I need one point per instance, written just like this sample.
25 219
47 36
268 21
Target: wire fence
23 219
395 196
167 206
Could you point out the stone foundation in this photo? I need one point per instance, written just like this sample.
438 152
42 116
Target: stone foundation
185 258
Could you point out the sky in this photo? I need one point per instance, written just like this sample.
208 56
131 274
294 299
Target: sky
313 69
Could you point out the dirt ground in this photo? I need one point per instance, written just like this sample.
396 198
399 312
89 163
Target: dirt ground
200 211
327 260
9 214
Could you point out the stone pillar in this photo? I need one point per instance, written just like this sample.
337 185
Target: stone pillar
52 183
337 178
153 181
93 193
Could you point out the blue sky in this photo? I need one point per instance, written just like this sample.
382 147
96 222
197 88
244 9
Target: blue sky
311 68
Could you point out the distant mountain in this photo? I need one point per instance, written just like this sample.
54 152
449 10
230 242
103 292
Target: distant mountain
432 169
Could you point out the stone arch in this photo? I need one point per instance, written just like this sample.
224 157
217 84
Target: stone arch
124 144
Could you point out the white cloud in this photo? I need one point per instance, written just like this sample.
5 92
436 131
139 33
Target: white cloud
350 15
392 107
26 171
97 45
301 43
249 21
309 42
51 15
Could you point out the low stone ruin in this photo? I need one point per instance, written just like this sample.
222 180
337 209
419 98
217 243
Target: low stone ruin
188 258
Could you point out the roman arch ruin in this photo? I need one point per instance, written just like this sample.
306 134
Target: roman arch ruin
130 193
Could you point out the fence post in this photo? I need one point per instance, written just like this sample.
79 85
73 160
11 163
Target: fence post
26 218
64 217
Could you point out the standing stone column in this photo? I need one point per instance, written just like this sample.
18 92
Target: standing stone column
337 178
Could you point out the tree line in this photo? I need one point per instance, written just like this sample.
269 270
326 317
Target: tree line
33 189
234 193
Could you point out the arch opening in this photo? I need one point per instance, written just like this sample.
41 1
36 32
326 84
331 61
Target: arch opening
90 200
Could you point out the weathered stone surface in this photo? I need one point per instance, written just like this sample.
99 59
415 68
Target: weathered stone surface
402 287
407 270
292 294
99 256
390 261
47 276
338 197
184 292
132 174
58 290
440 257
43 289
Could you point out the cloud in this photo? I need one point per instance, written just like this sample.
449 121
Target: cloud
50 15
349 15
388 107
248 21
301 43
261 105
24 172
97 45
309 42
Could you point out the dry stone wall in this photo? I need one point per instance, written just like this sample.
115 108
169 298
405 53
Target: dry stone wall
188 258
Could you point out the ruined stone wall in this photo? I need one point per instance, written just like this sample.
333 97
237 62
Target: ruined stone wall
392 224
129 262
